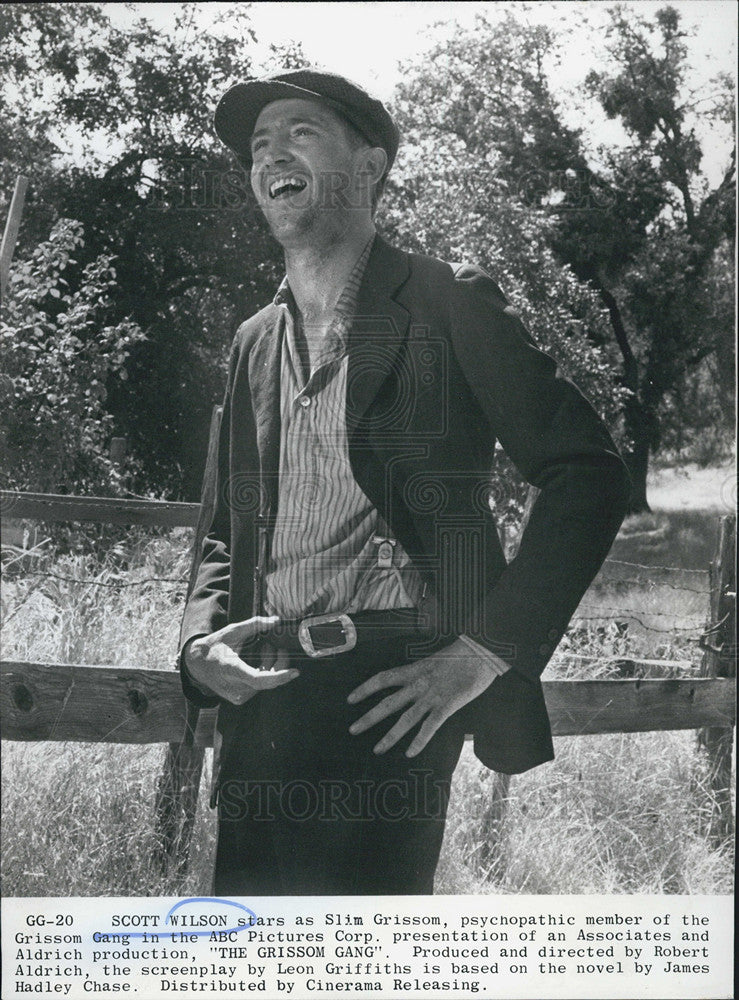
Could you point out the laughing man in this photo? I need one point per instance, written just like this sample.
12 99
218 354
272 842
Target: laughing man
353 615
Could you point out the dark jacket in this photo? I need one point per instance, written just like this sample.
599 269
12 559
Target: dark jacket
440 368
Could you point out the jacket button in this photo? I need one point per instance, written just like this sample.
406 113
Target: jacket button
305 401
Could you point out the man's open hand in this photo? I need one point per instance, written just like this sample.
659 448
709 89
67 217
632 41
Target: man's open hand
431 690
214 662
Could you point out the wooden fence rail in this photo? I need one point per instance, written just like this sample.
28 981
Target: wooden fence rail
104 704
108 510
137 705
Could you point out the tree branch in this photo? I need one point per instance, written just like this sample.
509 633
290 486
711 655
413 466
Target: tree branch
622 337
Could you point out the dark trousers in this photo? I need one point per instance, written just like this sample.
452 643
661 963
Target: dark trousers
305 808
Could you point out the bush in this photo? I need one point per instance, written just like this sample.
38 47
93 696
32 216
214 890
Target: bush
60 352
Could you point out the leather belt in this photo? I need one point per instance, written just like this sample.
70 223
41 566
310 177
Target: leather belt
319 636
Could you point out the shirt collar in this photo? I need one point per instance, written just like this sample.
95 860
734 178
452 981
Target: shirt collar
284 297
347 301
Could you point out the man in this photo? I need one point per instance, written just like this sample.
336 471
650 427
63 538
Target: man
353 614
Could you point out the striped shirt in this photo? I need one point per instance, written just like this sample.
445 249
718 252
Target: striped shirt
325 552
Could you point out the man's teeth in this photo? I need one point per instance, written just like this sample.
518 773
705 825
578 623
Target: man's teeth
282 184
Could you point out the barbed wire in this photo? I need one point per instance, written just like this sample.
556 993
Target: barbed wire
642 611
651 583
608 613
183 580
634 617
666 569
105 583
612 615
172 579
613 562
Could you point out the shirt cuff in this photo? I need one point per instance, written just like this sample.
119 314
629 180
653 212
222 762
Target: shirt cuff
497 666
199 687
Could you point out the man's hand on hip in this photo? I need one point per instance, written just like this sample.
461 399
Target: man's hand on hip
215 664
431 690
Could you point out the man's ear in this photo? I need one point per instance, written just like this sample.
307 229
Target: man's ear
376 162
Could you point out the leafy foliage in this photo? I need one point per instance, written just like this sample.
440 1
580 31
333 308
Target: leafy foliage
638 225
60 349
467 217
441 202
153 188
620 261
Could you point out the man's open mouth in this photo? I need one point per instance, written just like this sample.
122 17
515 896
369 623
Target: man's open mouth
286 185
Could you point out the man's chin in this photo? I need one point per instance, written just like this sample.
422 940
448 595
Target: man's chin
287 227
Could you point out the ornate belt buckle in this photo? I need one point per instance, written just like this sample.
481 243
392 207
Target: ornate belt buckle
346 626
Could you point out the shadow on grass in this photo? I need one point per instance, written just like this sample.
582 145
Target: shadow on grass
684 539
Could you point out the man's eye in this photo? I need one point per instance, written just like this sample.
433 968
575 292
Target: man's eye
259 144
303 130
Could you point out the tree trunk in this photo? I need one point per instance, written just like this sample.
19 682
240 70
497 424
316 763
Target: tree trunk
640 426
637 462
639 423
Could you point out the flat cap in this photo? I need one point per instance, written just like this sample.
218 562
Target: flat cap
240 106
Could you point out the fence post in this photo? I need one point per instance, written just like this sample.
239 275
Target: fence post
493 818
118 448
177 790
10 235
719 660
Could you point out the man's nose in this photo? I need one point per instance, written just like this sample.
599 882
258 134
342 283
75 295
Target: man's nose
277 151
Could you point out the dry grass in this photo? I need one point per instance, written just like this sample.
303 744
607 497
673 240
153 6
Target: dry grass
619 813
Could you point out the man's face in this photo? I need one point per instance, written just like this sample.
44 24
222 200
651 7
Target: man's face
305 172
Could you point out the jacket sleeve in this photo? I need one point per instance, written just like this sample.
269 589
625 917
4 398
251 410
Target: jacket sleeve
206 610
560 445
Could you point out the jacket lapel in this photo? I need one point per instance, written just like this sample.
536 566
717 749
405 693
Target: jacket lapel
375 339
264 383
377 331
